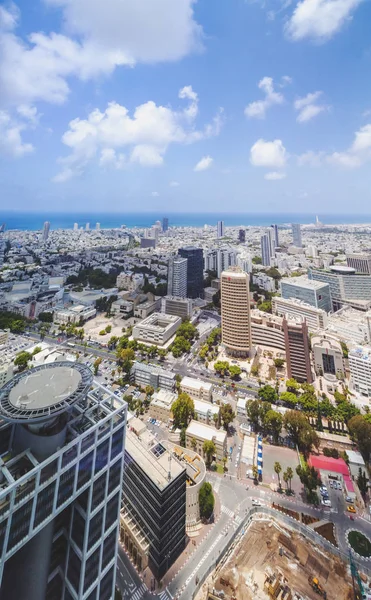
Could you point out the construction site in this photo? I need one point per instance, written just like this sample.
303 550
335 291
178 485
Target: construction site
271 561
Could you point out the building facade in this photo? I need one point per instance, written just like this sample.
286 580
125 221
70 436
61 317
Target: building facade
346 287
360 369
179 307
296 235
195 270
156 329
61 485
297 351
360 262
315 293
143 375
327 357
235 305
196 388
220 230
266 249
316 318
198 433
177 277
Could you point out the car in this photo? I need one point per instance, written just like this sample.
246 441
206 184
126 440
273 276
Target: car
351 509
338 485
325 502
323 491
350 500
256 502
331 484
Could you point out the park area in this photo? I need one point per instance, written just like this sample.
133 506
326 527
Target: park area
286 457
100 323
271 556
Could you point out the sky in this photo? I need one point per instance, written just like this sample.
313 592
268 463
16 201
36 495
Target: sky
186 105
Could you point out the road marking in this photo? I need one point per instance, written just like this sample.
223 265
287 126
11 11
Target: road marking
139 593
204 557
217 485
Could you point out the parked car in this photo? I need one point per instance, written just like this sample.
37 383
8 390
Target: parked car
325 502
256 502
351 509
350 500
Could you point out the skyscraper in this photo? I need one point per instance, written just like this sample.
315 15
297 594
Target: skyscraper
195 270
165 224
266 249
235 304
87 227
46 230
220 229
297 351
61 484
75 226
296 235
97 226
276 236
242 236
177 277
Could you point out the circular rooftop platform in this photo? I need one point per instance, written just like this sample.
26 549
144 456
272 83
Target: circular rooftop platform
342 270
44 392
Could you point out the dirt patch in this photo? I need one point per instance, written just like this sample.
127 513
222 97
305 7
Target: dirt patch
269 552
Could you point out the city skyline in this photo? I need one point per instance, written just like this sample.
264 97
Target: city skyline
102 113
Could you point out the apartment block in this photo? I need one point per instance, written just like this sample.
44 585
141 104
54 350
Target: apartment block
146 374
197 433
360 369
197 389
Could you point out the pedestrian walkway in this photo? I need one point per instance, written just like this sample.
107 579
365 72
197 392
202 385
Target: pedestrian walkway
139 593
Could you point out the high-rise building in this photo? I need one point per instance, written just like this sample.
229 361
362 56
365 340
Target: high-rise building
220 259
177 277
315 293
220 229
360 262
296 235
75 226
97 226
87 227
61 484
360 369
165 224
235 304
297 351
153 517
346 287
242 236
276 236
266 249
46 230
195 270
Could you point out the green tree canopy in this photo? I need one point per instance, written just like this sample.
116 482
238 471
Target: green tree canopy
183 410
206 500
235 371
227 415
268 394
360 431
209 450
273 421
21 360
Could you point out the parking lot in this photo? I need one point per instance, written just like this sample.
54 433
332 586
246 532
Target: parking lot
287 458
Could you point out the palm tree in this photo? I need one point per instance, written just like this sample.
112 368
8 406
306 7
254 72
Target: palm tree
278 469
290 475
286 479
193 444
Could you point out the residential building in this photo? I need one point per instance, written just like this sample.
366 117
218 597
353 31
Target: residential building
346 287
197 433
360 369
276 236
179 307
153 514
143 374
220 259
266 249
129 281
327 356
157 329
235 305
61 484
165 224
196 388
87 227
360 262
75 226
316 318
161 403
177 277
6 371
4 337
195 271
74 314
297 351
46 230
205 411
209 294
264 282
242 236
220 231
315 293
296 235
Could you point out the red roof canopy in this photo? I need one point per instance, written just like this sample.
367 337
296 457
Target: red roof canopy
326 463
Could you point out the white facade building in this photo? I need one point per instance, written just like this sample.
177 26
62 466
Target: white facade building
316 318
157 329
196 388
360 369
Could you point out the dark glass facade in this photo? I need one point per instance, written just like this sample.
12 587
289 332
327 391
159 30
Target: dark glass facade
195 270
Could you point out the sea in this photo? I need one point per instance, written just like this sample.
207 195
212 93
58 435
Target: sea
34 221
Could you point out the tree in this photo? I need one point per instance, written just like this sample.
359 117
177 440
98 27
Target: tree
286 479
21 360
273 423
206 500
255 370
96 364
126 357
161 352
36 350
300 431
193 444
46 317
221 367
227 415
187 331
289 475
292 386
235 371
149 390
182 437
267 393
180 346
278 469
362 482
345 350
209 450
289 398
310 478
265 306
360 431
183 410
253 413
255 473
108 328
216 418
278 363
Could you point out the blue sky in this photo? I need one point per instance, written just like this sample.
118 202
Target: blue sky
186 105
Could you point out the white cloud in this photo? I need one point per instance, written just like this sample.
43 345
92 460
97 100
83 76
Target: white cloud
204 164
310 158
319 19
307 107
11 142
155 194
98 36
146 135
274 176
358 153
271 155
259 108
188 93
174 184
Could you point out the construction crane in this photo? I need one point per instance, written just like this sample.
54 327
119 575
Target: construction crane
359 594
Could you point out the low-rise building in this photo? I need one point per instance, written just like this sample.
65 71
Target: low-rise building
360 369
143 374
74 314
197 389
129 281
205 411
122 307
180 307
161 403
157 329
145 309
197 433
6 371
4 337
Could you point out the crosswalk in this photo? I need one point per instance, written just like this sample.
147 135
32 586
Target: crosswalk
227 511
139 593
164 595
216 485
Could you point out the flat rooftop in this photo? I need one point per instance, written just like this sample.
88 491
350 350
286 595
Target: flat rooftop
304 282
196 384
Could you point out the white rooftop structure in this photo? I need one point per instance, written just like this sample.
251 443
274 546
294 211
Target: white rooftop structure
206 432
